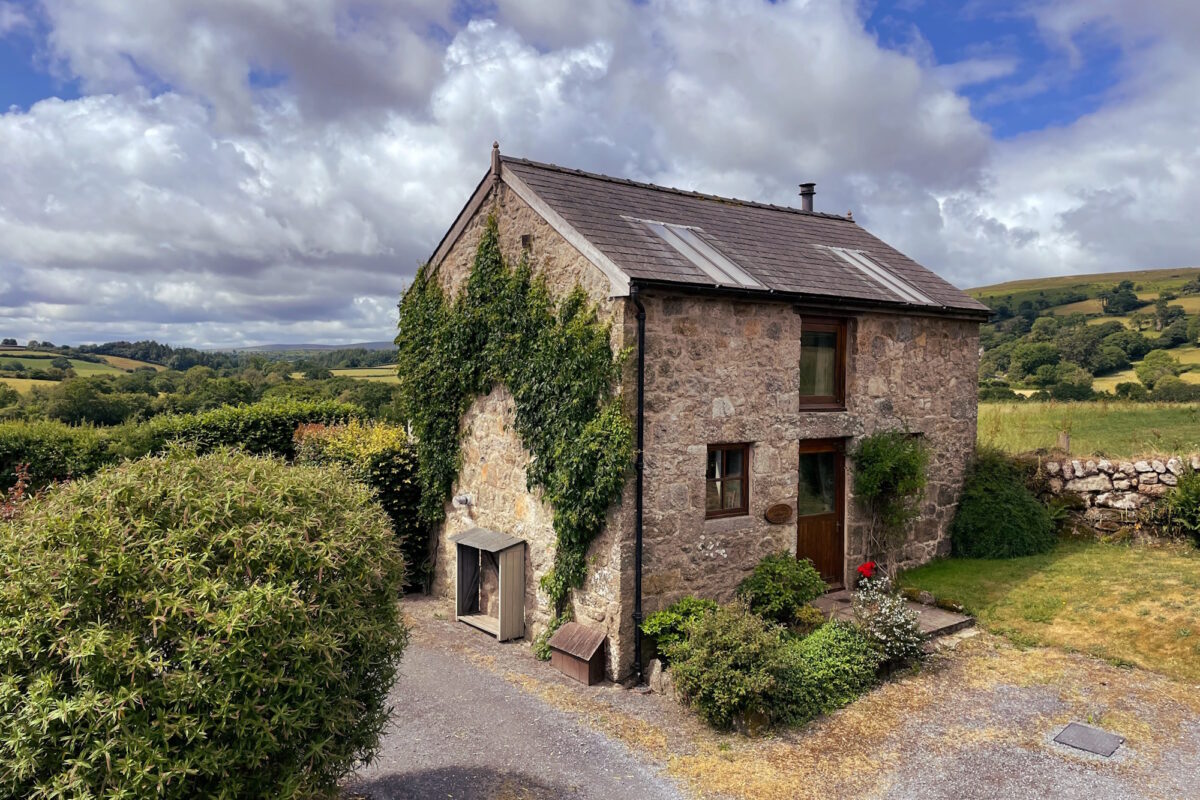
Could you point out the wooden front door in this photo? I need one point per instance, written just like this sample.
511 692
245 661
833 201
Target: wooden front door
820 507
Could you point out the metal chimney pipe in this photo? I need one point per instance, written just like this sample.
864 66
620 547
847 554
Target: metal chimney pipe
807 190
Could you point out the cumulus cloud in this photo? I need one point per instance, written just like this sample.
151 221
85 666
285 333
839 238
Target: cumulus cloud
240 171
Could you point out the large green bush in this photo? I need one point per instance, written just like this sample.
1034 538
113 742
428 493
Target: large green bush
779 585
725 667
998 516
383 457
669 626
823 672
215 627
52 450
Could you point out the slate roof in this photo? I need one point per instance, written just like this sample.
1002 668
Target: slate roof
784 249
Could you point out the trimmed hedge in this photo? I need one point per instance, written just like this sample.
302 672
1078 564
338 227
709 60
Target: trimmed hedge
780 585
998 516
54 451
214 627
259 428
58 452
383 457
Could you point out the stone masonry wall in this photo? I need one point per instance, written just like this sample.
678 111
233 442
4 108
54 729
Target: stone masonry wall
1114 492
719 370
495 460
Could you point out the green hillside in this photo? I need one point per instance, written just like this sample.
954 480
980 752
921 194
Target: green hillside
1071 335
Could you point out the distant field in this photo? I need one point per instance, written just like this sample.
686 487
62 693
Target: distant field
130 364
1150 281
24 385
82 368
1113 429
1188 355
386 374
1091 306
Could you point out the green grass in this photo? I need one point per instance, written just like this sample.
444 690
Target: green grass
1112 429
82 368
1126 604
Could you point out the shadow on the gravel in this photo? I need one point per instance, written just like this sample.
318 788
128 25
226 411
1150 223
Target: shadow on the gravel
459 783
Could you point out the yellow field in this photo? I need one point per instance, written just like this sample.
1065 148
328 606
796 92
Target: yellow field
24 385
1090 306
130 364
1152 282
385 374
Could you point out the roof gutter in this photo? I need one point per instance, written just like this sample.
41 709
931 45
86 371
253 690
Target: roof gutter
639 468
818 302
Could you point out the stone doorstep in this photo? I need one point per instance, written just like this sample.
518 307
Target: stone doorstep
932 620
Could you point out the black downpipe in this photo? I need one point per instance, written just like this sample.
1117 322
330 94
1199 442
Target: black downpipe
639 466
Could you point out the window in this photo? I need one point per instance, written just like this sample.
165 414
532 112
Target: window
822 364
727 490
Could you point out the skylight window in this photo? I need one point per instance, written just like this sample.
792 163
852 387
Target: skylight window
689 243
860 261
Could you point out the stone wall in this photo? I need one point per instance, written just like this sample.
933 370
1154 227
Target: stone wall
494 465
1113 493
720 370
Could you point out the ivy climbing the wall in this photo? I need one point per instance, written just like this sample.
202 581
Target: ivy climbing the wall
504 328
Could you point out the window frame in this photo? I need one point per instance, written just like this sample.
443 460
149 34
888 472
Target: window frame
838 326
726 447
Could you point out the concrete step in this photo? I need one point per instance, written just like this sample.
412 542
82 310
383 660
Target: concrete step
934 621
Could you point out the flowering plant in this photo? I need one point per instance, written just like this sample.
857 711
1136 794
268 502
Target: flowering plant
886 619
867 569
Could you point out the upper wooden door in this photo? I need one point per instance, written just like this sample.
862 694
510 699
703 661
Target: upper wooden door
820 507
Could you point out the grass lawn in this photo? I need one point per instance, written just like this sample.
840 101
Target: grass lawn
1136 604
1112 429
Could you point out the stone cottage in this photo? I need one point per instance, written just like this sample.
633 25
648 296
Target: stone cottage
771 339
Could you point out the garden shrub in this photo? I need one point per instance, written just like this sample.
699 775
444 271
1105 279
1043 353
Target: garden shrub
886 620
383 457
1179 512
216 627
53 451
725 666
669 626
779 585
822 672
808 618
998 516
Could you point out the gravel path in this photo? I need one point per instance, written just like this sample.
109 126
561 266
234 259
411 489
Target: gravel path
464 732
475 719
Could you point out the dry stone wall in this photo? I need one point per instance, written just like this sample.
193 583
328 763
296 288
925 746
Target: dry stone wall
1114 492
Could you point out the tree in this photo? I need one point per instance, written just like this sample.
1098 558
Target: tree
1026 358
10 342
1121 299
1156 365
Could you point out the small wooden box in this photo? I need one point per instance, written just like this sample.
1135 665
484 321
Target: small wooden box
578 652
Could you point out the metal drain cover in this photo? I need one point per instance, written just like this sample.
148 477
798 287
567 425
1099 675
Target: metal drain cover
1089 739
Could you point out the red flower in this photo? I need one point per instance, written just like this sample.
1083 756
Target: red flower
867 569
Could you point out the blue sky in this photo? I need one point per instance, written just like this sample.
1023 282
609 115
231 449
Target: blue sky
234 172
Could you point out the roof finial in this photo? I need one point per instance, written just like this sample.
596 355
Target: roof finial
850 215
495 161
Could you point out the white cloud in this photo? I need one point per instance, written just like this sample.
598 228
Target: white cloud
274 170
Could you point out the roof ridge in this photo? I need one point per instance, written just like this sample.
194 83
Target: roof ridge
672 190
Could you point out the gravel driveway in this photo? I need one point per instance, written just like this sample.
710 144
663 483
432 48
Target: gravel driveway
462 731
475 719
